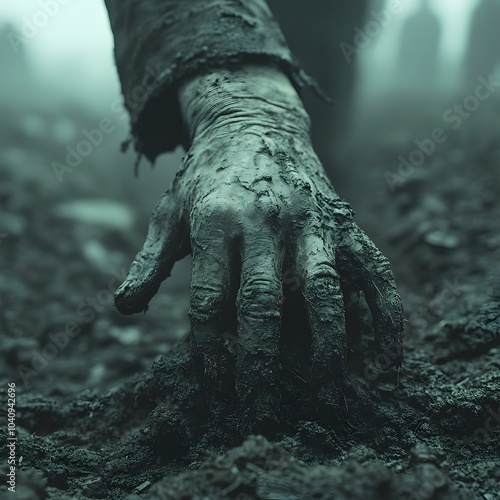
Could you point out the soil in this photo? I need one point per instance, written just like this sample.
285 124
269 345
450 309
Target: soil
115 412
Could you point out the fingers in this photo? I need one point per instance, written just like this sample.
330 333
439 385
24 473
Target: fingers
360 260
209 293
320 284
166 242
259 304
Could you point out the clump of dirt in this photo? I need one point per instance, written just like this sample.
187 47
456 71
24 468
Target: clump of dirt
427 432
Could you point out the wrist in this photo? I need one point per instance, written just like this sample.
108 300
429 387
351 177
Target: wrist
252 96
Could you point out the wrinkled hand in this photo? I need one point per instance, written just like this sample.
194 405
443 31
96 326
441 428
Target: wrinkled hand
249 201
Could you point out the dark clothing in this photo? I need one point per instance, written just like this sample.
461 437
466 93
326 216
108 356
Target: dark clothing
158 43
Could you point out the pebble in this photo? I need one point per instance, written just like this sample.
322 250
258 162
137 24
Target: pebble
442 240
98 212
130 335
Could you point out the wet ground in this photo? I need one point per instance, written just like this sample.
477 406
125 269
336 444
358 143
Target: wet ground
107 406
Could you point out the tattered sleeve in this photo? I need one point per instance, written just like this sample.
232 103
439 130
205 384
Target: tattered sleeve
158 43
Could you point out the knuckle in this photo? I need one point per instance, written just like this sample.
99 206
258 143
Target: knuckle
206 302
322 271
303 204
265 206
372 258
385 269
382 270
216 208
260 297
322 282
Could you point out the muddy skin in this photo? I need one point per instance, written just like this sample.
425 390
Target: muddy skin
251 201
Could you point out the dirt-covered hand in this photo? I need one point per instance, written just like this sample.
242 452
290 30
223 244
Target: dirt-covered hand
250 201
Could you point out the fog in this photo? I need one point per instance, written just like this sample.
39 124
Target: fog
76 62
71 55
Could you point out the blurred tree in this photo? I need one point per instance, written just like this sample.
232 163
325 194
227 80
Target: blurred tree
483 52
14 65
418 56
377 5
314 32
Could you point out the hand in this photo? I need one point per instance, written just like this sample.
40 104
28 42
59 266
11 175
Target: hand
250 199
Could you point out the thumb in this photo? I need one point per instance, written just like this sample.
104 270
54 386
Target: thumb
167 241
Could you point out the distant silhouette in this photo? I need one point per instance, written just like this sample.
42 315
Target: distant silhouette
11 45
15 81
377 5
419 44
314 30
483 52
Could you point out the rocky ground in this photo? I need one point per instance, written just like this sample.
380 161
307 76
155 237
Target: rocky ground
110 409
